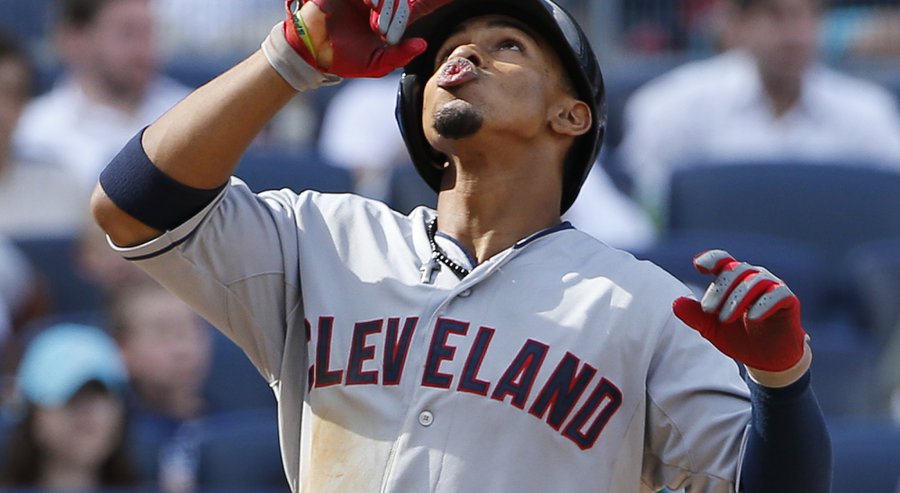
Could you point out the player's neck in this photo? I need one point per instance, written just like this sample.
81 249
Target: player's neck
488 211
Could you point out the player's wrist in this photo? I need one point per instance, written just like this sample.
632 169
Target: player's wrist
778 379
297 71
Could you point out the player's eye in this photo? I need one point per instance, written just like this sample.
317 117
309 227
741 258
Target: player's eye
511 44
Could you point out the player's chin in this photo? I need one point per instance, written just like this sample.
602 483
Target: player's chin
457 119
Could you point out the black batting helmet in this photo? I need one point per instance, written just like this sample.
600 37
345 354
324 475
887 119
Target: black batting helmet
558 28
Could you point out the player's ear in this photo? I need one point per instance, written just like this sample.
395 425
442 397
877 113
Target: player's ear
572 117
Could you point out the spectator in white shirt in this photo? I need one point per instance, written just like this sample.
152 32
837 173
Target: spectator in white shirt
764 99
230 30
603 211
111 87
60 207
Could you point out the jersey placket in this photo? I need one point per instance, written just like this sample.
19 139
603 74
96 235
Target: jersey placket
421 417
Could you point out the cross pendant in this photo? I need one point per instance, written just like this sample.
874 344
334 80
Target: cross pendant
428 269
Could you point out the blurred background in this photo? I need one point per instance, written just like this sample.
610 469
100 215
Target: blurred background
769 128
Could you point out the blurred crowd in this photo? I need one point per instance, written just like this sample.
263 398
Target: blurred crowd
769 127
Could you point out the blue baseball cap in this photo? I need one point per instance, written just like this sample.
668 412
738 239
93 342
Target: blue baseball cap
63 358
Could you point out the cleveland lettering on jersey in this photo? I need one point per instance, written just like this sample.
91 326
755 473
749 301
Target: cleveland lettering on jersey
554 400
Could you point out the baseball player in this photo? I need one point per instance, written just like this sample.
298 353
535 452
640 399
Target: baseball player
485 346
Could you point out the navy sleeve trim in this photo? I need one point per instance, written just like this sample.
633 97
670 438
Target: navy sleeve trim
157 253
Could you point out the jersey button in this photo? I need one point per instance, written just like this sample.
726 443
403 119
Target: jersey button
466 293
426 418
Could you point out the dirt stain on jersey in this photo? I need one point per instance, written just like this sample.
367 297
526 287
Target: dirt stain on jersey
343 461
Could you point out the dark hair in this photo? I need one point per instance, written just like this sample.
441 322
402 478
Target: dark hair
79 13
11 48
26 459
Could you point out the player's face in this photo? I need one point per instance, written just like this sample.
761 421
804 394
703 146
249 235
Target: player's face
492 75
783 35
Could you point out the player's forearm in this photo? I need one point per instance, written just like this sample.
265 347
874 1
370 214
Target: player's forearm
196 144
200 141
788 448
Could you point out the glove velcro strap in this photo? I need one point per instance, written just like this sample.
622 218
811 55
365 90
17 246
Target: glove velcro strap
292 67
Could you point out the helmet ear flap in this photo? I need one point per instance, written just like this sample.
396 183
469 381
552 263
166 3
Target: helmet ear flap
409 117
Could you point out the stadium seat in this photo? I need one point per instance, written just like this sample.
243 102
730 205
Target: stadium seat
832 207
266 169
866 456
843 369
874 269
240 452
27 20
54 258
234 383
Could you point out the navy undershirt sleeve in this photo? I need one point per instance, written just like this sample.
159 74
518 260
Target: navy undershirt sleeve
788 447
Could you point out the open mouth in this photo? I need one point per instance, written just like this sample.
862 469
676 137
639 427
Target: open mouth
456 73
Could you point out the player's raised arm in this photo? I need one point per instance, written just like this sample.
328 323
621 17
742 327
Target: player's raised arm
182 161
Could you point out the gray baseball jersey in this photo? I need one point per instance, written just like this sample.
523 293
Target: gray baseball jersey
556 365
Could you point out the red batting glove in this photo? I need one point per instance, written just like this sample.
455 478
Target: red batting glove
358 51
747 313
390 17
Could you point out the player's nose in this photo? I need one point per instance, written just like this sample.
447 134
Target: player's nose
469 51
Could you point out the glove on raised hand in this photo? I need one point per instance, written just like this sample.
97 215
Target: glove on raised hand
357 50
391 17
747 313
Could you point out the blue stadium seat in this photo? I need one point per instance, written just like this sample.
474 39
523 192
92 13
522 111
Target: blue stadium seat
874 269
233 382
27 20
829 206
55 260
843 369
866 456
240 452
264 169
